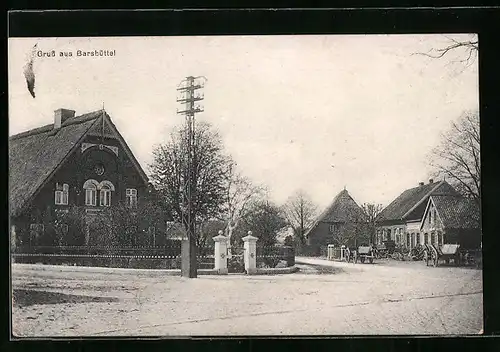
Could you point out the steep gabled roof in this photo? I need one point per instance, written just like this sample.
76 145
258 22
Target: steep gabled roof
456 212
36 154
411 198
342 209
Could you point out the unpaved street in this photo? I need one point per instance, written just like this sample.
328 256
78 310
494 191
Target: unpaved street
324 298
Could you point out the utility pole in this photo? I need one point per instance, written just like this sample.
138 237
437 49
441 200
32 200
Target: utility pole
187 89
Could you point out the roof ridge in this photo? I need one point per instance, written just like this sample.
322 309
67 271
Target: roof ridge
328 210
49 127
428 194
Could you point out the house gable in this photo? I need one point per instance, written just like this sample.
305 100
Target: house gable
341 211
38 157
428 223
104 129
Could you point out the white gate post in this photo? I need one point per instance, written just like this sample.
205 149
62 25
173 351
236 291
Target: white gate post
342 253
250 253
331 249
220 255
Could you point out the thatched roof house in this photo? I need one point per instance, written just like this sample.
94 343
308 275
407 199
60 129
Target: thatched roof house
35 155
78 161
339 223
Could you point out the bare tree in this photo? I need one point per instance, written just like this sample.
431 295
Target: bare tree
457 157
240 194
372 211
169 173
300 213
467 49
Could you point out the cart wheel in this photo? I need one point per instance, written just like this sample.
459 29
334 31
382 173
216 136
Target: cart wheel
371 260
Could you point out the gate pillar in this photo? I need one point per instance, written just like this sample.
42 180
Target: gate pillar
250 253
220 255
331 252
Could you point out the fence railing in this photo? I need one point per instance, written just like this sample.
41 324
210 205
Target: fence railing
162 257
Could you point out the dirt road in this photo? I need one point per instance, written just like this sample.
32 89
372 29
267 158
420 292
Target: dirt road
324 298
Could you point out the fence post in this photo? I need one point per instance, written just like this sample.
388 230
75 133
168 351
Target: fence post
250 253
342 252
220 254
330 251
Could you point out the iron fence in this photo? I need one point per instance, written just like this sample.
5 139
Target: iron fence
154 257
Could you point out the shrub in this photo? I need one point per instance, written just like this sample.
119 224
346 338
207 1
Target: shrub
236 264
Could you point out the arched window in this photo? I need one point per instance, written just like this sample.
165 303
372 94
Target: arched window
105 188
90 187
426 238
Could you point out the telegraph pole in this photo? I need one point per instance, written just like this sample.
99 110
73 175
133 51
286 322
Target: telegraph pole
188 98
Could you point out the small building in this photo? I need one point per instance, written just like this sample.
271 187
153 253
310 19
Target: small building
342 223
400 220
78 164
452 219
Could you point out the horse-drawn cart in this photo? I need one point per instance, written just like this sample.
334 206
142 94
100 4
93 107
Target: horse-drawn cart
364 253
447 252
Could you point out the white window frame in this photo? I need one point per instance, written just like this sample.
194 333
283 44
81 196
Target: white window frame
131 196
90 187
105 196
61 195
91 197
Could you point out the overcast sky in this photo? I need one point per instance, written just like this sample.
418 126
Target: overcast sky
311 112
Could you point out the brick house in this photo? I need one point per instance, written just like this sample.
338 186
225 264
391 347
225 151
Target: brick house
342 223
78 162
452 219
400 220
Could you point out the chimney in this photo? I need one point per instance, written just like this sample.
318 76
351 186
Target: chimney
420 183
61 115
431 180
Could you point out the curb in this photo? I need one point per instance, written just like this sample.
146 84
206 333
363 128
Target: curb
162 272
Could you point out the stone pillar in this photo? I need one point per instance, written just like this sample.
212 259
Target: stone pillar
220 255
331 253
342 253
250 253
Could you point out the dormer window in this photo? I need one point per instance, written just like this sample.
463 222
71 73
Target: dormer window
62 194
131 195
